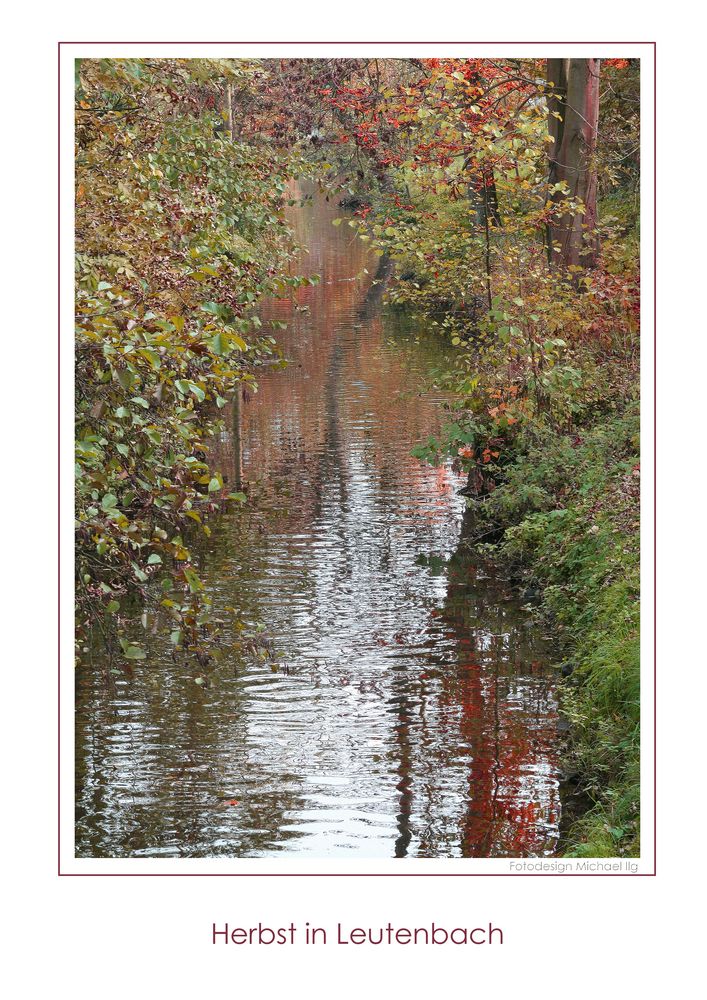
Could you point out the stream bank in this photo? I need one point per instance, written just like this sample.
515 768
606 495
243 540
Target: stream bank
565 522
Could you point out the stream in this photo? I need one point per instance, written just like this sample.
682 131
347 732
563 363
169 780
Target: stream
402 705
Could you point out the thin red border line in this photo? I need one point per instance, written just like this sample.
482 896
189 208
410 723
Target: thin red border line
652 874
655 460
455 42
58 428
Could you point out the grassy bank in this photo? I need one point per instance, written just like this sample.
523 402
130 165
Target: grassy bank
567 510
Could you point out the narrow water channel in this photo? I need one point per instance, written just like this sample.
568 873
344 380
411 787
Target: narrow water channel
403 707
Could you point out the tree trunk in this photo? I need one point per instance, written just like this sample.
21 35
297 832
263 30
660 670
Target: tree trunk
574 95
236 415
484 199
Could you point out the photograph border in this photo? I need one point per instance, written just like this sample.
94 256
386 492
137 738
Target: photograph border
650 199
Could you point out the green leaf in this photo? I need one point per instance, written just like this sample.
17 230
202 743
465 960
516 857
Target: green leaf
219 344
151 356
195 584
131 652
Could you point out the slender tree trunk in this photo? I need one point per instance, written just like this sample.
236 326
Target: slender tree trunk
573 94
487 254
236 417
484 202
484 199
492 208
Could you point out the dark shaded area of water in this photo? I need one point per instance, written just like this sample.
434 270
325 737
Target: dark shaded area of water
404 707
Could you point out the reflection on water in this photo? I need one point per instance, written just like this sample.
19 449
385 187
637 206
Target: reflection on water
404 708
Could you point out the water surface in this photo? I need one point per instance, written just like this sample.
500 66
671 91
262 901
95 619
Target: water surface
401 705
